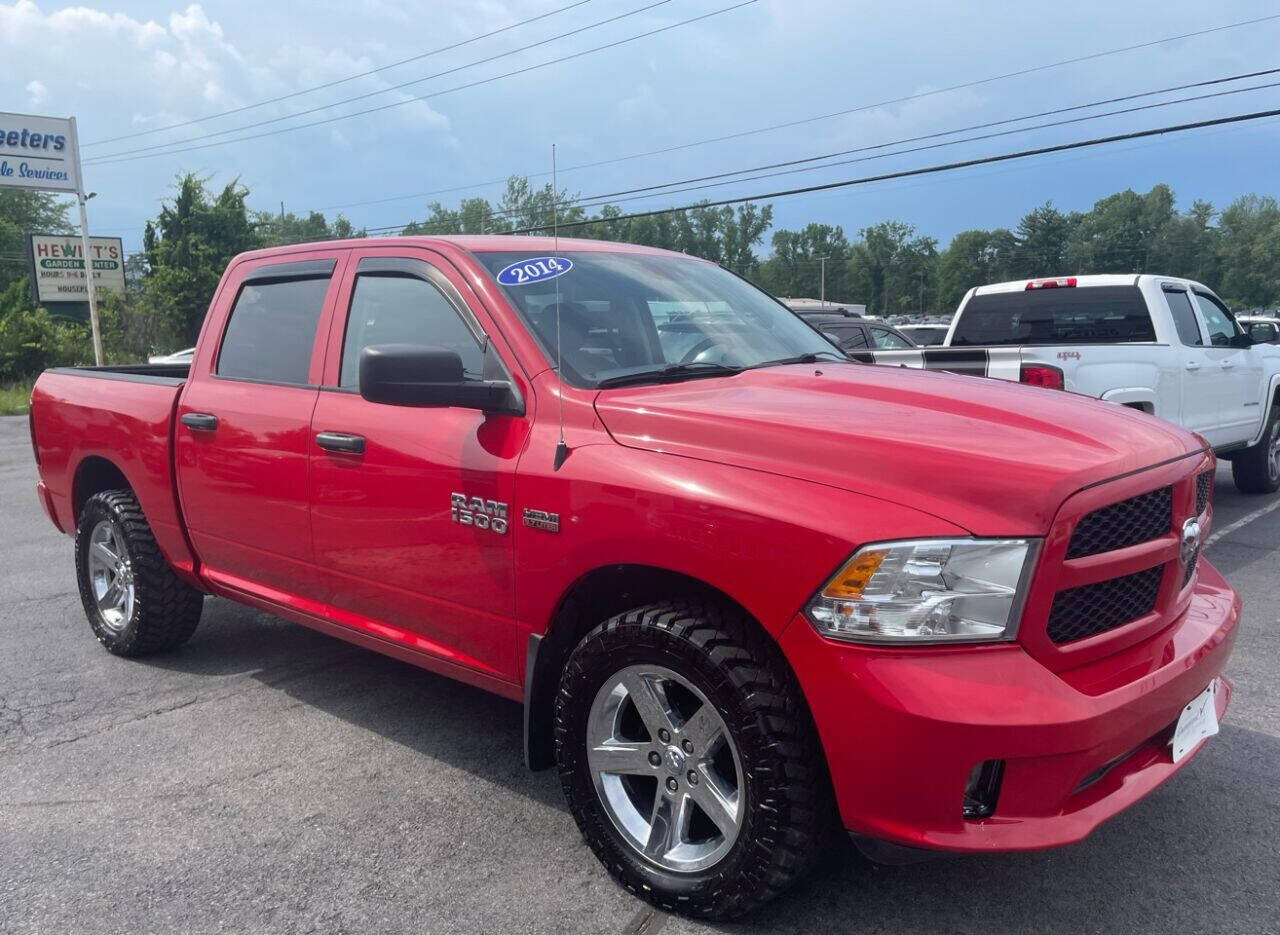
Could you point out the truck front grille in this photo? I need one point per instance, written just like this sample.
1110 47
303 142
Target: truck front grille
1129 522
1096 608
1204 491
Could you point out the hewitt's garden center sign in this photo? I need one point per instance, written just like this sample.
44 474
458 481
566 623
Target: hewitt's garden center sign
57 267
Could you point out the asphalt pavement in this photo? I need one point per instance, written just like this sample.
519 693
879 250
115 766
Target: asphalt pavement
266 778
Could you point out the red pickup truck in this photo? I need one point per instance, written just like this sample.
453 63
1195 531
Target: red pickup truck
748 590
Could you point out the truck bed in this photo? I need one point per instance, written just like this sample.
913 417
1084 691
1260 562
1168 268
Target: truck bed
123 415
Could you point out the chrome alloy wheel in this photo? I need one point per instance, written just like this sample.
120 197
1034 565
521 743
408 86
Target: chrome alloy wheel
1273 451
111 576
665 768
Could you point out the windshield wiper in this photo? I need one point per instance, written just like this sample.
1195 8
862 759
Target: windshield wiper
670 374
810 358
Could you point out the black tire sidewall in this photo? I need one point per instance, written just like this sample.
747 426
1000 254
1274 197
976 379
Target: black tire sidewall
97 509
602 654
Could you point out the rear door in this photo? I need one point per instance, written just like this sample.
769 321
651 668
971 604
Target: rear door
244 419
411 505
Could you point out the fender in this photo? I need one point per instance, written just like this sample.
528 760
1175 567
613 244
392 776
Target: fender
1268 404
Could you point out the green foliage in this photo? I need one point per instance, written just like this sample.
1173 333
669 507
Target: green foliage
31 339
14 398
285 228
893 269
21 213
796 264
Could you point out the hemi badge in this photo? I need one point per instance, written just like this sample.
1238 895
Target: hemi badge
541 519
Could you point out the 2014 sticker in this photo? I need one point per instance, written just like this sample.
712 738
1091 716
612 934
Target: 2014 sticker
535 269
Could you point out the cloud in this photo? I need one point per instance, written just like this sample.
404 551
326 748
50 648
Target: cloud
36 93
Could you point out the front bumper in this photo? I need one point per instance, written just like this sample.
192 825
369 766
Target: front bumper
903 728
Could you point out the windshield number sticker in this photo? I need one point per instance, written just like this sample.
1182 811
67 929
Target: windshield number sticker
537 269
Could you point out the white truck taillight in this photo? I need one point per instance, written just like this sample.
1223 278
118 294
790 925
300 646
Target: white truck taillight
1045 375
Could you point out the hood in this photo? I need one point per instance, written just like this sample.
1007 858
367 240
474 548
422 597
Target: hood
996 458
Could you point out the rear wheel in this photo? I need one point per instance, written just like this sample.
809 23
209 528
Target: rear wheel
689 759
135 603
1257 469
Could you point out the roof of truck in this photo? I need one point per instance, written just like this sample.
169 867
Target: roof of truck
1083 282
475 243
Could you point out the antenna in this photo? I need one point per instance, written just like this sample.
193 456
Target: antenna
562 449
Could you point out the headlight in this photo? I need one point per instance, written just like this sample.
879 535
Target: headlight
927 591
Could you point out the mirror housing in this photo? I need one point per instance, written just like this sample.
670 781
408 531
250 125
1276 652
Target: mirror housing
1242 340
1263 332
418 375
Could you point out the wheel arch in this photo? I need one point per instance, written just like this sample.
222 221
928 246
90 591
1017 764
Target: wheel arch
594 597
93 475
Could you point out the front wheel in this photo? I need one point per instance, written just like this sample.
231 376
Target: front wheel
135 603
1257 469
689 760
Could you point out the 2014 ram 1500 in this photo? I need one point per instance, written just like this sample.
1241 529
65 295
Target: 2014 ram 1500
745 588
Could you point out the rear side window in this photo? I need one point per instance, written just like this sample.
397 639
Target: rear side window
1184 317
272 330
398 309
888 340
1077 315
847 337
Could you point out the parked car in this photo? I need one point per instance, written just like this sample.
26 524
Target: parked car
177 357
856 333
1163 345
747 590
925 335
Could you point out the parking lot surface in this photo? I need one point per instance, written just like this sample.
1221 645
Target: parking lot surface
266 778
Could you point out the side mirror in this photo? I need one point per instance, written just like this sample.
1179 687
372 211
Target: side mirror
1242 340
416 375
1263 332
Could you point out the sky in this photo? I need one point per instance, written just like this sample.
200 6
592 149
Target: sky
141 67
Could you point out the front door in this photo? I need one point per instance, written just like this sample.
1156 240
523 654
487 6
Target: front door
242 435
1238 371
410 506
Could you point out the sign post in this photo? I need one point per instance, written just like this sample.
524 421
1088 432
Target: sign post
43 154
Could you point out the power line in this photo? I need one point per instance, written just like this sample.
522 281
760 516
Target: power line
394 87
605 197
110 159
926 170
842 113
338 81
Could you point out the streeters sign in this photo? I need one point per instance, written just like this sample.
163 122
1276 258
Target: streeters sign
39 153
57 267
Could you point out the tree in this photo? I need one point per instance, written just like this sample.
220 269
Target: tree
894 269
1249 243
286 228
25 212
973 258
187 248
1042 237
795 268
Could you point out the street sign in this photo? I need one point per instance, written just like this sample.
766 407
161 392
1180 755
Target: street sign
39 153
43 154
57 267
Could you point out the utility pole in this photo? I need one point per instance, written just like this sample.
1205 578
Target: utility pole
823 286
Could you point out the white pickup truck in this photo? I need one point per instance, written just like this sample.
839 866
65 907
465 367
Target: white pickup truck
1164 345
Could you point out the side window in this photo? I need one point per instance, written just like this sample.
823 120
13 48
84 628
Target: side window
272 330
394 308
887 339
847 338
1218 321
1184 317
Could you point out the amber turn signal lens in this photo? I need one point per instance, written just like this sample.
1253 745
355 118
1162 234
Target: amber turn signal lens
849 582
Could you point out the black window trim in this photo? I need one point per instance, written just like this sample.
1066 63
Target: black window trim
299 271
1205 293
426 271
1168 287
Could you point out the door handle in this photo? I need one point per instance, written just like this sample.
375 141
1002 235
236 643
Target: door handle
199 421
341 441
1227 364
1193 365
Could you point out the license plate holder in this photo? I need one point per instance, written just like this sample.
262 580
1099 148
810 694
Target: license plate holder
1198 721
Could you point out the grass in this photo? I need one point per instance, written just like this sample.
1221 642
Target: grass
13 399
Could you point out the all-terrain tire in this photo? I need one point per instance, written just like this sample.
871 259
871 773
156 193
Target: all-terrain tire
1257 468
787 814
165 609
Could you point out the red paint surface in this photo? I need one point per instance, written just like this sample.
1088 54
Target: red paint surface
759 485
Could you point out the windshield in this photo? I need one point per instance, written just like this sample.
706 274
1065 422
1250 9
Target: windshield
624 314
